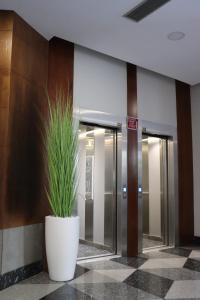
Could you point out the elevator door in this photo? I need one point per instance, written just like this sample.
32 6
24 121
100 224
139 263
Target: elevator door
154 192
97 190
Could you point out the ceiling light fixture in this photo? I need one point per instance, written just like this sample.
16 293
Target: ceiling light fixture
176 36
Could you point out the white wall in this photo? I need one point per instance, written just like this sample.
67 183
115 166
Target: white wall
100 82
156 98
195 106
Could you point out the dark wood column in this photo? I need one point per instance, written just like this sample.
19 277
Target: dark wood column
61 66
185 164
132 164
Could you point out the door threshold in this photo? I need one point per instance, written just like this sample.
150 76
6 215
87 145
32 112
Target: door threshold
97 258
156 248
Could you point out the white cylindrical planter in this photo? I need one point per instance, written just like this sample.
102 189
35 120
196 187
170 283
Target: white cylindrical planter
62 239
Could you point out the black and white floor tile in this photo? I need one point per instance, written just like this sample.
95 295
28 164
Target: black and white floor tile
90 250
172 273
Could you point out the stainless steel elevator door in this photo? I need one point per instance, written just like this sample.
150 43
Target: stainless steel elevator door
97 189
154 192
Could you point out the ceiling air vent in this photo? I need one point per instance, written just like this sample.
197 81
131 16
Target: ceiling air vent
144 9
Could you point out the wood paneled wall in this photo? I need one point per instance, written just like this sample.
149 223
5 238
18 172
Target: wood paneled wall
185 164
132 164
23 100
61 67
6 27
24 79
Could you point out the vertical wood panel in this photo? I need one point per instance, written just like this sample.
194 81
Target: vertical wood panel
132 167
6 20
6 35
61 66
185 163
23 84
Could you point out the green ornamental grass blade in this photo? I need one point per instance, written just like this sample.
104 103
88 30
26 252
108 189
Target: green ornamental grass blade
61 144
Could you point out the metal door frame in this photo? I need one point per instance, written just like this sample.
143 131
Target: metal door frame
170 132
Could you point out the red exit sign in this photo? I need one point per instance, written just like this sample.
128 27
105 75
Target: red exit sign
132 123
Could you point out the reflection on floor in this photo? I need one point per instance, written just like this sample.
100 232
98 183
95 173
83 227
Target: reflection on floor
89 250
147 243
172 273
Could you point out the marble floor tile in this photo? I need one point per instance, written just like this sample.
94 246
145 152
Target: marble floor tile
157 254
152 275
67 292
195 254
92 277
80 271
148 243
175 273
187 289
178 251
28 291
134 262
149 283
114 291
104 265
192 264
117 275
158 263
41 278
90 250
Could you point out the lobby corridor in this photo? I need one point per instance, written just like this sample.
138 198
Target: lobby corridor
172 273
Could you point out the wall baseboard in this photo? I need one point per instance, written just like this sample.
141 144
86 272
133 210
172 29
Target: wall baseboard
20 274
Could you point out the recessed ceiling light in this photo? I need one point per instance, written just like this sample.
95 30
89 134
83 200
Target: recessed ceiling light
176 36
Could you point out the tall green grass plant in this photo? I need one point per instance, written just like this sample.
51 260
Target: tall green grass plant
61 143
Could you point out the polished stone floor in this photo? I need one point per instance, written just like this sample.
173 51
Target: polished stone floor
172 273
148 243
90 250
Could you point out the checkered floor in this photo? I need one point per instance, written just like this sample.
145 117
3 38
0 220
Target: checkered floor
166 274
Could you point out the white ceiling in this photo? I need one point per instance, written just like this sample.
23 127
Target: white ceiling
99 25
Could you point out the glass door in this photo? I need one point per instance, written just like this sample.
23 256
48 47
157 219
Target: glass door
97 191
